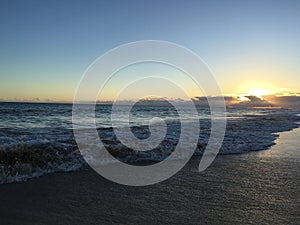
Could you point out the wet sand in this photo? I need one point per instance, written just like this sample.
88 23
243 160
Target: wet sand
255 188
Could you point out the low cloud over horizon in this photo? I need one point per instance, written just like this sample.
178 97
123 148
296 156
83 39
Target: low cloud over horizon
248 101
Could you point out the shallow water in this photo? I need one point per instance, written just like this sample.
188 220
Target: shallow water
254 188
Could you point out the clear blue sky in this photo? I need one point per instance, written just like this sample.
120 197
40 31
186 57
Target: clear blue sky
45 46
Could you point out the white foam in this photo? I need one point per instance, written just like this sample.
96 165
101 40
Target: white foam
244 134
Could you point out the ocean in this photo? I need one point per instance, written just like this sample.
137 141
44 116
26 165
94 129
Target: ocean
37 138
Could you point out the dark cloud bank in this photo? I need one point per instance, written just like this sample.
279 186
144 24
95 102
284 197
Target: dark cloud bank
254 101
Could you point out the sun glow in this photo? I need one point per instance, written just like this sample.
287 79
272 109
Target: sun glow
260 92
256 88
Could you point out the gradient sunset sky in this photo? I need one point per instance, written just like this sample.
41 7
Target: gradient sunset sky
45 46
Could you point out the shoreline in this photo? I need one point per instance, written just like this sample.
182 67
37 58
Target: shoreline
39 174
266 192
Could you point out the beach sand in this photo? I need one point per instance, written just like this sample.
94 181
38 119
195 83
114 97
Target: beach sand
254 188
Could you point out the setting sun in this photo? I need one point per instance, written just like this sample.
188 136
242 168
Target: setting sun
260 92
256 88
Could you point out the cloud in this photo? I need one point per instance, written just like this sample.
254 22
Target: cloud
203 101
270 101
284 101
232 101
253 101
35 100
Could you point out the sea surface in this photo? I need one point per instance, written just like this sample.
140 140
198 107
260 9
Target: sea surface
37 138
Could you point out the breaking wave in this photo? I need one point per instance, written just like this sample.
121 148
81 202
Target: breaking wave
27 153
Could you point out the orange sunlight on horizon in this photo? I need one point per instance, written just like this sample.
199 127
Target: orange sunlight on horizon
256 88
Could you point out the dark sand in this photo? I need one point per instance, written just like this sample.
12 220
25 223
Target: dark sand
255 188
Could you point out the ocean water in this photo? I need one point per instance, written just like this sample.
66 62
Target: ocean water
37 138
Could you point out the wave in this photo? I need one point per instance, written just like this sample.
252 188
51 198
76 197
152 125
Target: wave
31 153
23 160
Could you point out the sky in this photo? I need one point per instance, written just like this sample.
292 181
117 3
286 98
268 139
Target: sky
46 46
